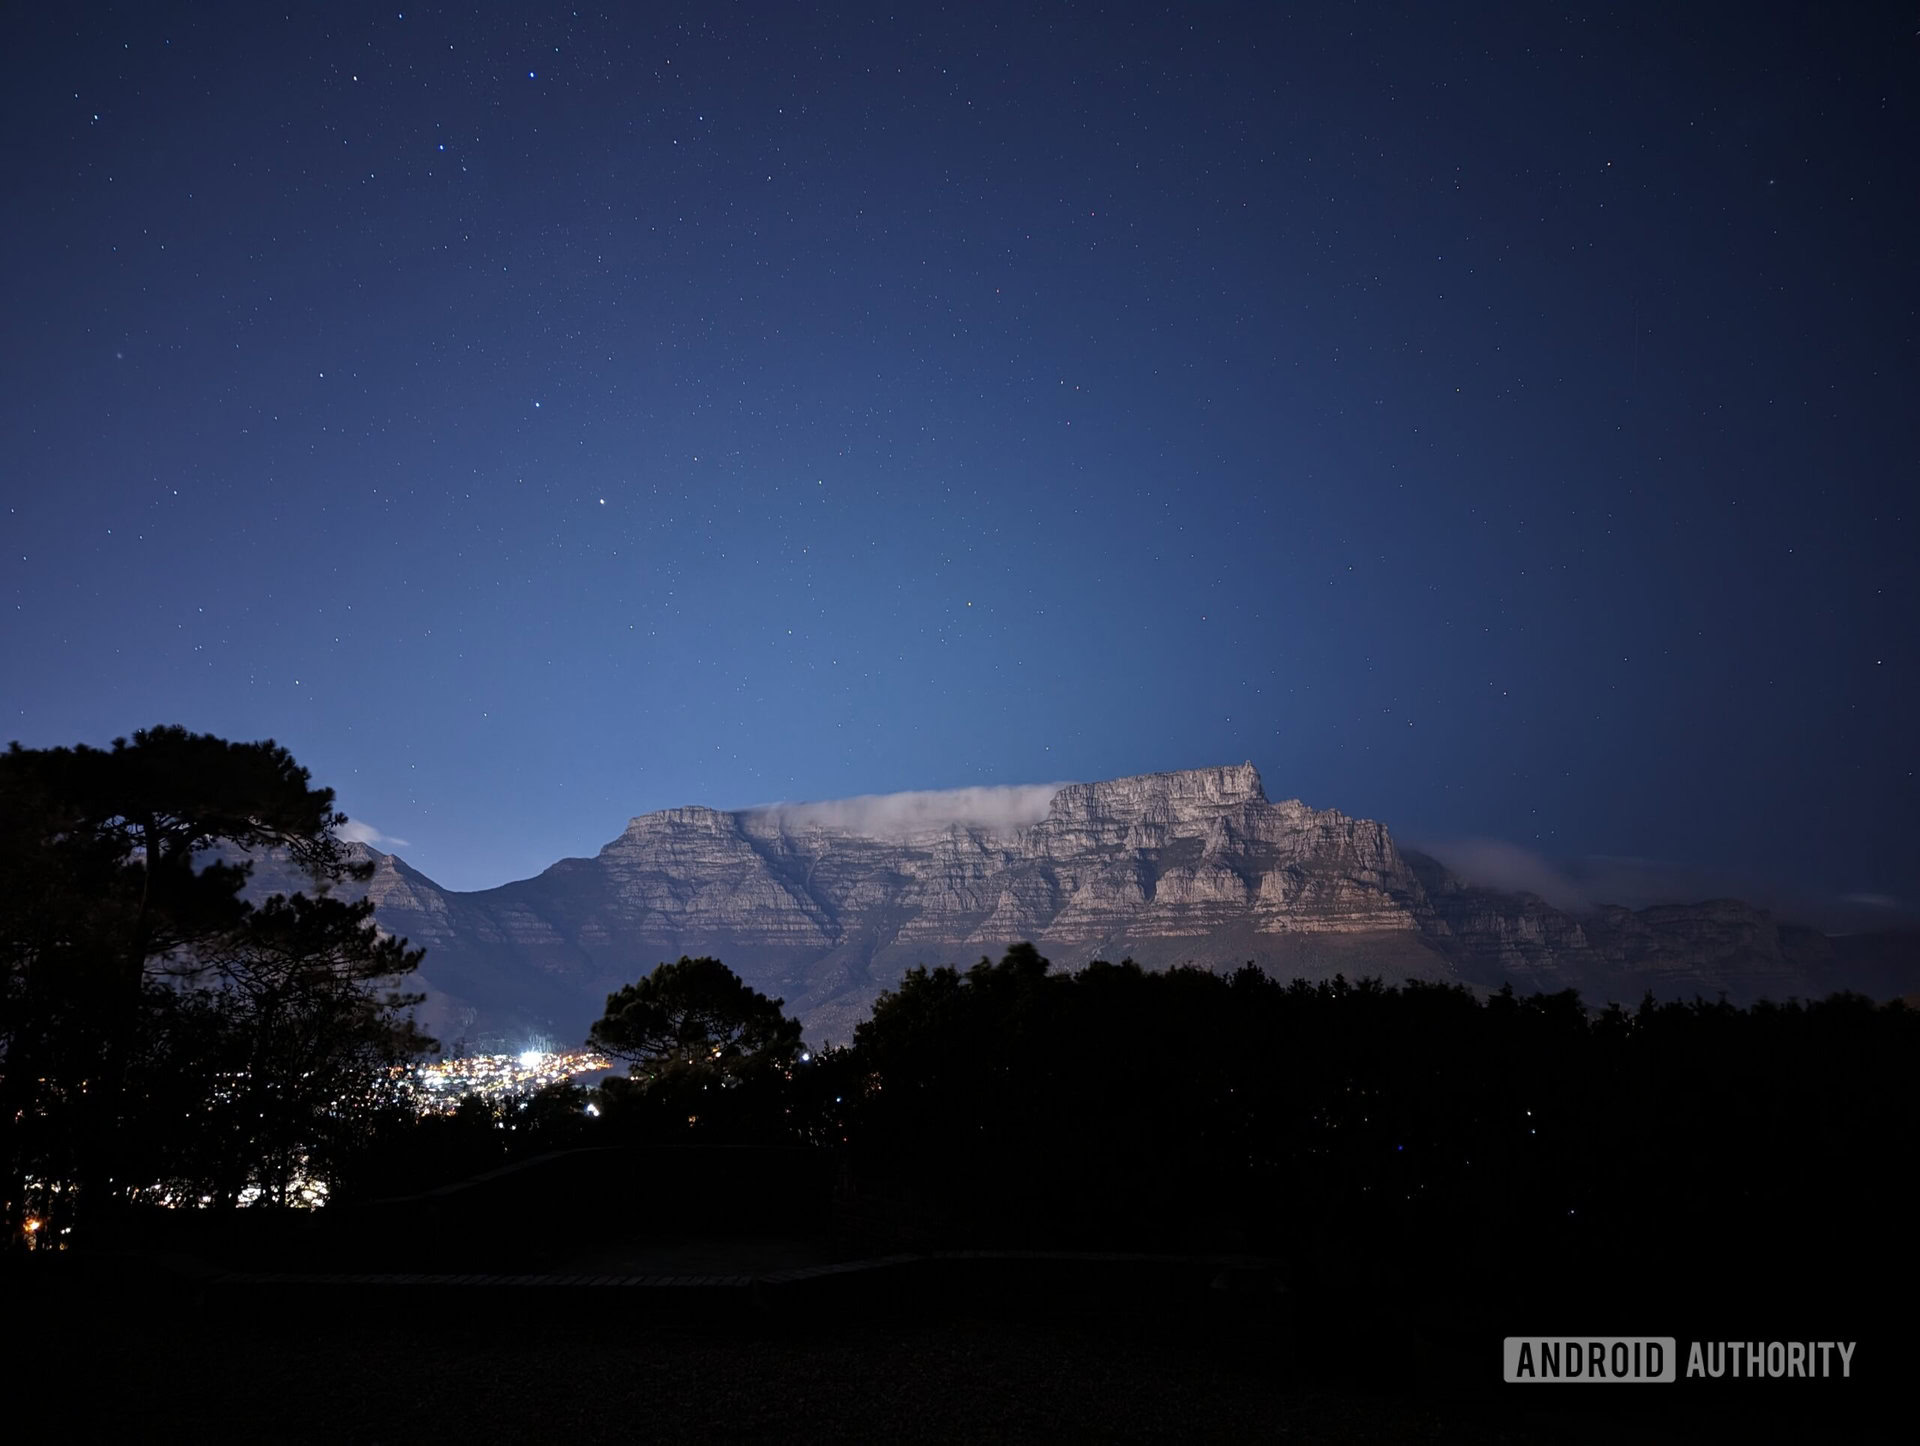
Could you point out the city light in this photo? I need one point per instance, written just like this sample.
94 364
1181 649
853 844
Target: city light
437 1087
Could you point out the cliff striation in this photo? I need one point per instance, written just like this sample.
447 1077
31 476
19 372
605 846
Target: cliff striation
825 908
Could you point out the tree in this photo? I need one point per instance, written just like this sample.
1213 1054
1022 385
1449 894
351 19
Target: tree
694 1014
300 1004
702 1047
131 970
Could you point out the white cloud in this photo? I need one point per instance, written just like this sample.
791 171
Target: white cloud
1496 864
897 815
356 830
1872 901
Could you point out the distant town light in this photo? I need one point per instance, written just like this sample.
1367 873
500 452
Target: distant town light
437 1087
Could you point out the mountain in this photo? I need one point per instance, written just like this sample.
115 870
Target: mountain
826 905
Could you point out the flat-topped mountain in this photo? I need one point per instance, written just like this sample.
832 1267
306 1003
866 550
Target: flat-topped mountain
826 904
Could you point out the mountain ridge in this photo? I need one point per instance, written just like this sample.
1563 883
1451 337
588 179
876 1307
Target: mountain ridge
1187 866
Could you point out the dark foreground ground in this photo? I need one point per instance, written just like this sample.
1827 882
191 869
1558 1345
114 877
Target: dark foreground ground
680 1315
475 1364
959 1380
966 1380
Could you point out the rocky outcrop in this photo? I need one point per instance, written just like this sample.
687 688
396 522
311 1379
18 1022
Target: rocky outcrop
1721 946
1194 866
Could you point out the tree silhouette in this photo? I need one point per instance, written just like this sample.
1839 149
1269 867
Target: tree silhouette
696 1013
1390 1139
300 1003
134 972
704 1050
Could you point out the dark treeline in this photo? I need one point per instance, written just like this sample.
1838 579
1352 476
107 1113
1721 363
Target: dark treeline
404 1153
1317 1107
1413 1142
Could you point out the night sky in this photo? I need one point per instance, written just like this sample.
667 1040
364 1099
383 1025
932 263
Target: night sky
1500 422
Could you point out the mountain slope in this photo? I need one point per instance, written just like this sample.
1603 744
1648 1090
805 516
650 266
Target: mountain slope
825 907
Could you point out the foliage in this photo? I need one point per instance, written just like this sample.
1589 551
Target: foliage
298 1008
1419 1126
161 1034
408 1153
694 1013
706 1053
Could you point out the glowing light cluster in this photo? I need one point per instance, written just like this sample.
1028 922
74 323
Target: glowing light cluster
439 1086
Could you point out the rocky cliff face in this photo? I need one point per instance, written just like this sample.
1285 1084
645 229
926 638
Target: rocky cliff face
1721 946
1195 866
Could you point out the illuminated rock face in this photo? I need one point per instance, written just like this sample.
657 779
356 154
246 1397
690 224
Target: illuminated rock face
1195 866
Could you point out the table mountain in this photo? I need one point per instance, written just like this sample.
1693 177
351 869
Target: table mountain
826 905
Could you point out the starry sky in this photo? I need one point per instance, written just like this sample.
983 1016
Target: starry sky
1499 421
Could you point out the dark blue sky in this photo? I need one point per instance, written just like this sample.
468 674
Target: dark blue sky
1500 424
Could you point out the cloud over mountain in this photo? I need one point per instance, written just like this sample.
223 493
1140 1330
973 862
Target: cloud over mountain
1496 864
356 830
1000 809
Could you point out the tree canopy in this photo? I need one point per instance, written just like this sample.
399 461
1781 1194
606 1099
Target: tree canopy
696 1013
1362 1124
136 982
705 1051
